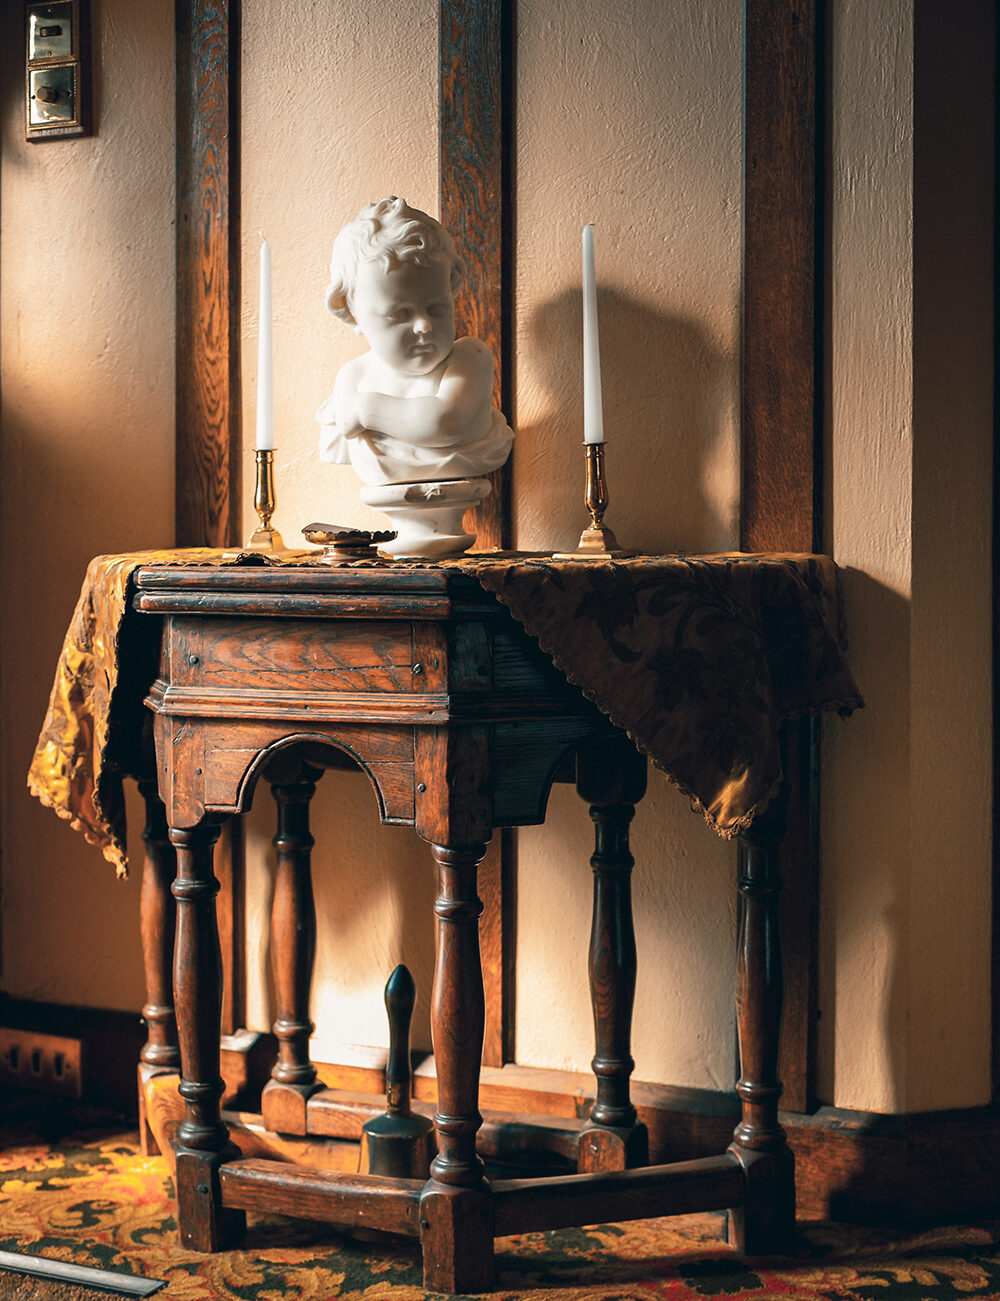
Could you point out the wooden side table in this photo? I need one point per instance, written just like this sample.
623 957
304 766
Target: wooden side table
426 682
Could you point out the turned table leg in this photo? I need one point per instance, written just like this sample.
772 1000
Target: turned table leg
202 1138
160 1053
766 1221
293 952
456 1217
613 1140
611 778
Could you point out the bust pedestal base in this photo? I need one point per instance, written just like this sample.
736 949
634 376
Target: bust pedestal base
427 517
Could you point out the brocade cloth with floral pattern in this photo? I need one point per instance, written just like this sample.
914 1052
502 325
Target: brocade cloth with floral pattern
699 658
94 732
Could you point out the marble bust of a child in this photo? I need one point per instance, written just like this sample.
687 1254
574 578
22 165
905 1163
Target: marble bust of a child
417 408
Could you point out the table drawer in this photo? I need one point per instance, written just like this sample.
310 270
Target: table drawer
291 654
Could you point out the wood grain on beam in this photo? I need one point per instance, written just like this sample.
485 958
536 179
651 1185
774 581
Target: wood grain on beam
781 406
207 375
475 140
781 411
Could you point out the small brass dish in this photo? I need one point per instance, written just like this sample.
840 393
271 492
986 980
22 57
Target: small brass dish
341 542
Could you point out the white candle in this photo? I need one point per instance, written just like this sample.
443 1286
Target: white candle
265 357
593 412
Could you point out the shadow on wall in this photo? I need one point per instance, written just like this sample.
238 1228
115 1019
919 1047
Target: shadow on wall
670 416
670 390
374 888
866 838
12 104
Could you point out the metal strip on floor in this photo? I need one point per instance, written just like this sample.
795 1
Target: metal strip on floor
65 1272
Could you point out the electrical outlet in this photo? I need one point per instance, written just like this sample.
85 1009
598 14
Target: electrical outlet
46 1063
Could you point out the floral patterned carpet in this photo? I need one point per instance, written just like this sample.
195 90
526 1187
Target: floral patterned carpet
74 1192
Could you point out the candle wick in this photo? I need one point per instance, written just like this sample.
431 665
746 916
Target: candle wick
261 234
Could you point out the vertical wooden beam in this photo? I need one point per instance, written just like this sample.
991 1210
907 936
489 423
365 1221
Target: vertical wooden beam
207 489
475 145
498 942
207 376
476 132
781 400
996 572
781 422
231 914
798 904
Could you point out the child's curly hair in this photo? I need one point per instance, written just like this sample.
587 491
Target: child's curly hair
388 232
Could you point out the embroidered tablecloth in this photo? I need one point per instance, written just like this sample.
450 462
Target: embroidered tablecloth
699 658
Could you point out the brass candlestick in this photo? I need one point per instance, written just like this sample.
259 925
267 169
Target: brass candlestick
265 538
597 541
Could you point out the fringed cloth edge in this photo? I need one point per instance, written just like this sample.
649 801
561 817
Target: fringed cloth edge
699 659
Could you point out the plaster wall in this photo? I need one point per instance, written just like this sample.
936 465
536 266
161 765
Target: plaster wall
865 831
641 137
86 429
629 120
905 911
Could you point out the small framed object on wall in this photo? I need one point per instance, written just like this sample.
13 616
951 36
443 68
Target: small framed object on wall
57 69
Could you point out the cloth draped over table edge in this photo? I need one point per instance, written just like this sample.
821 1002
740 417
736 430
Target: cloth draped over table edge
697 658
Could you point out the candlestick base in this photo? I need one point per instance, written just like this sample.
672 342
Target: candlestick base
265 539
597 542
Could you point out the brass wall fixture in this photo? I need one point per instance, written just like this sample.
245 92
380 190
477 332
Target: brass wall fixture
57 69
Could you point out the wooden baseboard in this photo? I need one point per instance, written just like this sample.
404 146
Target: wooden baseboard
907 1170
901 1170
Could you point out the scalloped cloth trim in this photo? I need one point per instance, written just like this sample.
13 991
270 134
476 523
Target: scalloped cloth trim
698 658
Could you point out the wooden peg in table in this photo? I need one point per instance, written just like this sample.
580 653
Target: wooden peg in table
398 1143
